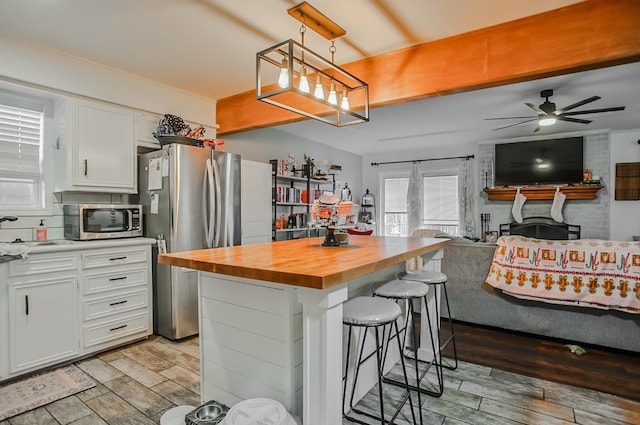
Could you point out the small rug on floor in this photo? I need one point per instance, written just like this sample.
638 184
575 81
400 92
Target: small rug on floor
38 390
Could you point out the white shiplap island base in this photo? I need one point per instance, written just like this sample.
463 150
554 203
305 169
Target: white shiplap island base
271 316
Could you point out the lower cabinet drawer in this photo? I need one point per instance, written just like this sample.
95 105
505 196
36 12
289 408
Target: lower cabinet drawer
94 308
114 257
112 279
43 264
114 329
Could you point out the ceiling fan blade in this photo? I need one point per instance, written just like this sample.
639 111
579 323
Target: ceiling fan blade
578 120
508 118
575 105
535 108
595 111
512 125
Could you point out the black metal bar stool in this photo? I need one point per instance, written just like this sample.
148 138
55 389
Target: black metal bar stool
376 313
436 278
408 290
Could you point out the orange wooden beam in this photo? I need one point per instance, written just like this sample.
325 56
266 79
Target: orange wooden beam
587 35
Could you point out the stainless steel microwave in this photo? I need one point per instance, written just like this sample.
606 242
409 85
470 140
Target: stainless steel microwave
102 221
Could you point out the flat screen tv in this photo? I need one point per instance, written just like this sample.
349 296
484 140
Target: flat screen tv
539 162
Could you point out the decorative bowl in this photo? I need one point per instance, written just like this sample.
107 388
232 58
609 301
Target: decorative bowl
183 140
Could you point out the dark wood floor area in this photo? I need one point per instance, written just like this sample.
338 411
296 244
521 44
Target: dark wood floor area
611 371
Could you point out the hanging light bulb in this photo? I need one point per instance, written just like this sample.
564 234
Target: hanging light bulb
332 99
319 90
304 81
345 101
283 79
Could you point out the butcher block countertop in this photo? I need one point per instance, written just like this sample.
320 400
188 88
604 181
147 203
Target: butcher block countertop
305 262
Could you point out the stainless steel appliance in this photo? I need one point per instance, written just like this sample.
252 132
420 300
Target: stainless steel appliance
191 200
102 221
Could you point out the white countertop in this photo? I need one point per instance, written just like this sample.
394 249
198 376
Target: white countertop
57 245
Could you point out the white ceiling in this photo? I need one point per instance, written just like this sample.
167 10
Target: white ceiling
208 47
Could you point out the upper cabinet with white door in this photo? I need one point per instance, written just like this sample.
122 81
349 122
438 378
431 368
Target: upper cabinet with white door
95 148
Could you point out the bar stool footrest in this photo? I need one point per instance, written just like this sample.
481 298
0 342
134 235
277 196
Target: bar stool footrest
422 390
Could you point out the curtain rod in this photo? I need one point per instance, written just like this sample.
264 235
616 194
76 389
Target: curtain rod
416 161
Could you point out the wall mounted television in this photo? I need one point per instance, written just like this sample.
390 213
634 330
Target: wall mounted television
539 162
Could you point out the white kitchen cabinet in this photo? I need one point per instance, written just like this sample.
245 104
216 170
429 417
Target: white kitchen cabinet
71 300
146 125
256 202
42 322
95 149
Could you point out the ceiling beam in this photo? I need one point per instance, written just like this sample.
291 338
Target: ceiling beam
588 35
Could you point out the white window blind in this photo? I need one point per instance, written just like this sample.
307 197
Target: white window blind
440 207
395 206
20 157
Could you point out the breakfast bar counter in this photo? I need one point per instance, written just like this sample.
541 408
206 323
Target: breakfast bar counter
271 315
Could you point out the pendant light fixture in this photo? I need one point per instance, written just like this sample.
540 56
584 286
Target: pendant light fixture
285 71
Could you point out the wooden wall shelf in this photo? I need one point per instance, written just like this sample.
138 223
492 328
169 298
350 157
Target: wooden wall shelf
542 192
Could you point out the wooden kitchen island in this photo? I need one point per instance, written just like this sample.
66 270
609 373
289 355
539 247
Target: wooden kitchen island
271 315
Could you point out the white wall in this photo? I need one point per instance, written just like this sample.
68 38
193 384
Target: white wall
625 215
54 70
263 145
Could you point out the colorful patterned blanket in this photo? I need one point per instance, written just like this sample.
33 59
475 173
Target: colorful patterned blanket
583 272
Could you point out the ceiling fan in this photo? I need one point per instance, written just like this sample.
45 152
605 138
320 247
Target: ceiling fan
548 114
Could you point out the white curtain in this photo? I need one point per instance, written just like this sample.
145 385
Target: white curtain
465 191
414 201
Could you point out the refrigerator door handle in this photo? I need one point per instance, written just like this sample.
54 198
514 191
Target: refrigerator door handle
218 210
208 208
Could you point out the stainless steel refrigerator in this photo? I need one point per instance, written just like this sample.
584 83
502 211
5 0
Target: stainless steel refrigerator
191 198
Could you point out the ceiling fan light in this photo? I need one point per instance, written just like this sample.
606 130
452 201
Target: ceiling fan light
546 121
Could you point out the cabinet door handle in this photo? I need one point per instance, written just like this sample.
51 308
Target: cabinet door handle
117 258
26 304
117 278
117 327
119 302
86 167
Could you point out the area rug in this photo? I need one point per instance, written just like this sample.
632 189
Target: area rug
41 389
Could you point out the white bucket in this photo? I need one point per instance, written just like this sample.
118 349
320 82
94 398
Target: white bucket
257 411
175 416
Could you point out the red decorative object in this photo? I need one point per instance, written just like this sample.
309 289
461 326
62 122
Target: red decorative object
357 232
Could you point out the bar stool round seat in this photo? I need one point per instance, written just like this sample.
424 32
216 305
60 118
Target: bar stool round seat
425 276
371 313
401 289
430 277
367 311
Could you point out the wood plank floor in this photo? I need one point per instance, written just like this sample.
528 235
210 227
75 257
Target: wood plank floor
136 384
611 371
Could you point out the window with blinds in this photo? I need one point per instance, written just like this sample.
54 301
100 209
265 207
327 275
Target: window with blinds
21 184
440 205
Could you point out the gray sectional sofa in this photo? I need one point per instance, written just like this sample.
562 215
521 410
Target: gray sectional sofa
467 264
